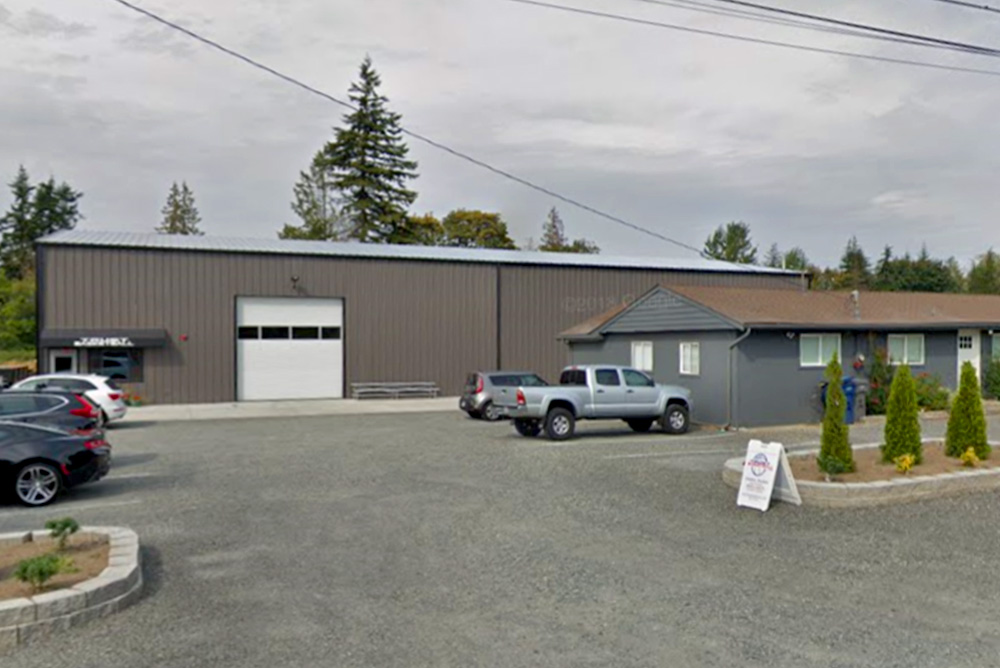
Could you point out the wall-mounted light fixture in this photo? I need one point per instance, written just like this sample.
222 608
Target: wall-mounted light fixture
790 335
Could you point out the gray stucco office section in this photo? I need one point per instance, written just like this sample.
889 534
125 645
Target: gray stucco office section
708 388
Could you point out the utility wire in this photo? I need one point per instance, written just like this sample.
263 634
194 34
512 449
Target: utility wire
438 145
695 5
861 26
755 40
971 5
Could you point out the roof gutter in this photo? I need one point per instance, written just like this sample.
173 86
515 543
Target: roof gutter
729 378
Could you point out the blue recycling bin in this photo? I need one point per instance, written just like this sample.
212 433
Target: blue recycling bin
850 388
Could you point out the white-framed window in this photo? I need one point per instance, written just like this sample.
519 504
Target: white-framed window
907 349
818 349
642 355
690 358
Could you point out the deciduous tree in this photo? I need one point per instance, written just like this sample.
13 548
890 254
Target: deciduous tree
554 237
476 229
316 206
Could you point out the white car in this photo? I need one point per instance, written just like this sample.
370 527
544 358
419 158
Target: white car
99 389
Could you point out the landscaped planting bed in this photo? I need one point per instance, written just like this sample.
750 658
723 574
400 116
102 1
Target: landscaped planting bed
870 467
89 553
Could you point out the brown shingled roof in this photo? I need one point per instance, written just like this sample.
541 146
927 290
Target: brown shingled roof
814 308
592 324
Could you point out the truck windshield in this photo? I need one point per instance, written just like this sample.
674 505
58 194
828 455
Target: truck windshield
573 377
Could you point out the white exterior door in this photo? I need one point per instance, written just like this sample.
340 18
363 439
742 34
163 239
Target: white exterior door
289 348
969 350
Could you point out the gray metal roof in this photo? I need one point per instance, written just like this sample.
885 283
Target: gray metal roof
108 239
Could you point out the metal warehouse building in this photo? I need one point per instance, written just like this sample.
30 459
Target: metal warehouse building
211 319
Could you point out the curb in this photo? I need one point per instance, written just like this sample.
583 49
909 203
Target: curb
881 492
27 620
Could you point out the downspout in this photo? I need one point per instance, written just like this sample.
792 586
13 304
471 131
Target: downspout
729 377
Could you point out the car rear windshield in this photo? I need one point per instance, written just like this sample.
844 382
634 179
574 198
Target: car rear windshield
112 384
573 377
517 380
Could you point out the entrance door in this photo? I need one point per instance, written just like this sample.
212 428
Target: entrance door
62 361
968 349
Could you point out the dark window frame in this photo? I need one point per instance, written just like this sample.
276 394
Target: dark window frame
243 330
135 357
614 372
335 333
266 332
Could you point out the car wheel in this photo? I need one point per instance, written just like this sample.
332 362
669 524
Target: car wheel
490 412
641 426
37 484
529 428
560 424
675 420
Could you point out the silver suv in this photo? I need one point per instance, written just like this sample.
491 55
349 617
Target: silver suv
478 397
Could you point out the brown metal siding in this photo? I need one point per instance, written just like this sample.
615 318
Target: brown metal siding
403 320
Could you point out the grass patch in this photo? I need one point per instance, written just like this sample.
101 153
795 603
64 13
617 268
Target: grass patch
7 356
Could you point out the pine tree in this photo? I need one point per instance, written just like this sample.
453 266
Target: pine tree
967 422
902 422
835 455
180 215
368 165
315 205
854 266
554 237
984 276
731 243
37 210
773 258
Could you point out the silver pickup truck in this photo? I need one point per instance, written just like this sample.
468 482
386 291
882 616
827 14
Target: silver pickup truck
596 392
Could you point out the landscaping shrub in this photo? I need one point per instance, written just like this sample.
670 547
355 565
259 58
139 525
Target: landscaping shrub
902 425
967 423
879 380
835 454
931 394
993 379
904 463
39 570
62 529
969 458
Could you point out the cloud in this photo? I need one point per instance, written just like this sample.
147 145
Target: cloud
36 23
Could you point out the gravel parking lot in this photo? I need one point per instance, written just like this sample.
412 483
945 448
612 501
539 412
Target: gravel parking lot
434 540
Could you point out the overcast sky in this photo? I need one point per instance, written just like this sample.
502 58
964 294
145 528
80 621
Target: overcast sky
676 132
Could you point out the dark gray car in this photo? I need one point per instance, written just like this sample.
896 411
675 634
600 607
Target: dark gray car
67 411
479 395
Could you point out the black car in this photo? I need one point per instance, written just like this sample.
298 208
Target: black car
36 463
67 411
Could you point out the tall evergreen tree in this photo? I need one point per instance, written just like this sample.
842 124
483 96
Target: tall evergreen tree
368 165
180 215
554 237
855 272
731 243
37 210
316 206
774 258
984 275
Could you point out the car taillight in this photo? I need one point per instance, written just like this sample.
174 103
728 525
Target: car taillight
479 384
115 396
93 443
520 397
87 410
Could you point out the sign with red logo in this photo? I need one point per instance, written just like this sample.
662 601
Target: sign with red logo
766 474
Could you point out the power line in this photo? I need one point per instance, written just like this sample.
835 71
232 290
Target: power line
757 40
695 5
971 5
438 145
861 26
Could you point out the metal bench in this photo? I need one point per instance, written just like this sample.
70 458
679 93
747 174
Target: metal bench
394 390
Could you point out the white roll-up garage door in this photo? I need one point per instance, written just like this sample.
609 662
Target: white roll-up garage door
289 348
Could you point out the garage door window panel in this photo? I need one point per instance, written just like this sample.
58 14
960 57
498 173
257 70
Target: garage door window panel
247 333
331 333
274 333
305 333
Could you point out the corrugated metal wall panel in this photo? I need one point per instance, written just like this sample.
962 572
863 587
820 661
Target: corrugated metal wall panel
404 320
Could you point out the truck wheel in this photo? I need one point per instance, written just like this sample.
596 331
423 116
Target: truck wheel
641 426
675 420
528 428
560 424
